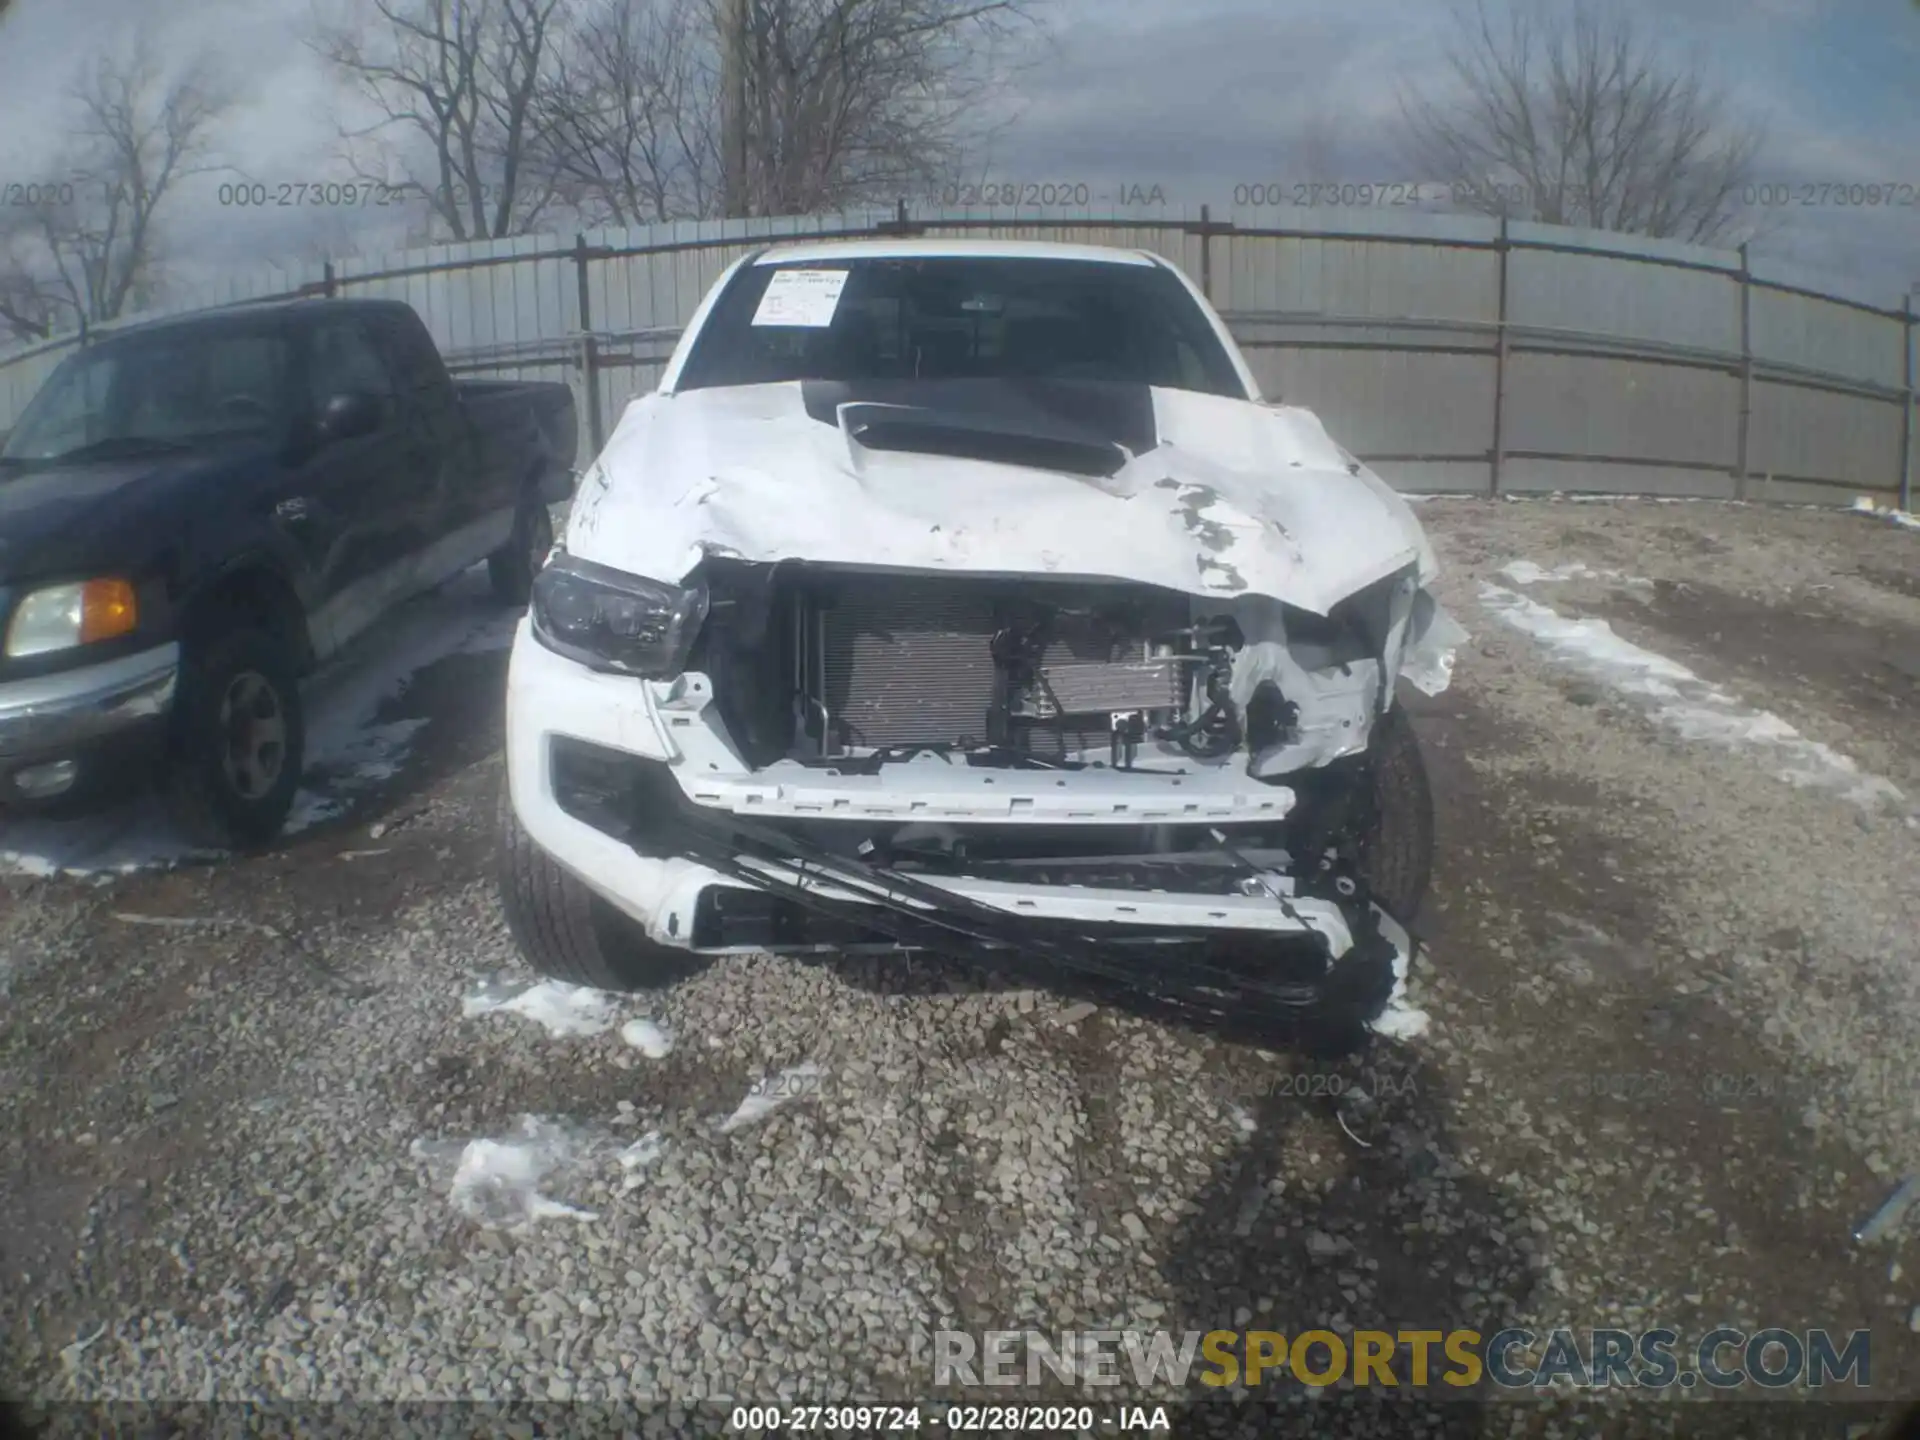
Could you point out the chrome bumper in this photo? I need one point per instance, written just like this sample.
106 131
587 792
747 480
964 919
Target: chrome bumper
51 716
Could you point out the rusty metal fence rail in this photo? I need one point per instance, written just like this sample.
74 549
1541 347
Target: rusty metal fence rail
1455 354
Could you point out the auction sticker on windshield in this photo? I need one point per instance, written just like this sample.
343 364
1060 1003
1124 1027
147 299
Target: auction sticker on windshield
801 297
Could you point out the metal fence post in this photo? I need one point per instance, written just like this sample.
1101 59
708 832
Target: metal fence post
82 342
901 224
1740 466
1497 453
1906 407
589 346
329 280
1206 253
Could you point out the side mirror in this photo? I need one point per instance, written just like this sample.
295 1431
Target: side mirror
351 414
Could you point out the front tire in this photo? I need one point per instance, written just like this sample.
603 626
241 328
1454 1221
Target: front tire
1396 849
238 739
566 931
1377 818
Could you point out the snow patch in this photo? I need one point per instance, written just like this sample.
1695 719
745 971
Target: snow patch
769 1095
1401 1019
1683 702
136 836
496 1183
557 1007
347 750
1616 497
373 755
1864 506
1525 572
649 1037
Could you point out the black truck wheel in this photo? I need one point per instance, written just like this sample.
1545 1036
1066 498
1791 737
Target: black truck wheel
1396 850
1375 812
238 736
511 568
569 933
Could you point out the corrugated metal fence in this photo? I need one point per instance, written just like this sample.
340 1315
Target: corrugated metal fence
1453 353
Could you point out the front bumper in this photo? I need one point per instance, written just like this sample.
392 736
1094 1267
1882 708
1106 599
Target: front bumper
84 724
691 843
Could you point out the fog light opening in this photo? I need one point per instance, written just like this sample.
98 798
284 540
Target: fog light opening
42 782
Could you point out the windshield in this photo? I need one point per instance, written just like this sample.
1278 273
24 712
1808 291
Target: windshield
960 317
155 392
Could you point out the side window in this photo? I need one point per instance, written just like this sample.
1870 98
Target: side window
415 361
250 365
205 384
344 358
74 408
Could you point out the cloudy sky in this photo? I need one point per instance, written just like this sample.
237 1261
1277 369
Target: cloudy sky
1195 96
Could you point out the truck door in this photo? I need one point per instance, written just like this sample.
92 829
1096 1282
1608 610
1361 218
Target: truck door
442 450
359 490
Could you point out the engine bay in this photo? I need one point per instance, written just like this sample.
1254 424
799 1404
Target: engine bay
852 671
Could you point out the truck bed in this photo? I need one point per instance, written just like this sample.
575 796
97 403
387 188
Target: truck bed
534 418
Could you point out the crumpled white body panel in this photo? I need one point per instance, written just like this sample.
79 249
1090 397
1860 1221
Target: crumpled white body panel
1239 499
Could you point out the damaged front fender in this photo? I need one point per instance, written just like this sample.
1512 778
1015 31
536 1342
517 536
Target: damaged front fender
1433 640
1338 675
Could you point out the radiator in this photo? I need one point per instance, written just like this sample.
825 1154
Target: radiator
908 662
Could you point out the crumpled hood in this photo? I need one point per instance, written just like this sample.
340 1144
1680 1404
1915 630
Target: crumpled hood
1237 499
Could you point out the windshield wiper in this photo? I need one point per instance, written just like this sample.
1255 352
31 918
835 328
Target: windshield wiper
121 446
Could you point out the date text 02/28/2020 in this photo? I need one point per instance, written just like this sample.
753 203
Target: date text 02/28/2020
1043 195
961 1419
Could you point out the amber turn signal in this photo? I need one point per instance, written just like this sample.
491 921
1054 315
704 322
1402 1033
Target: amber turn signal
107 609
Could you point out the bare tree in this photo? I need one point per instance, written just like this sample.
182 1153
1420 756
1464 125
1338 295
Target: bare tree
88 245
851 101
627 124
453 84
28 306
842 102
1576 117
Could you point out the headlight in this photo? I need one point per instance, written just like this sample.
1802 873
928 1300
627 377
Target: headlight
62 616
614 621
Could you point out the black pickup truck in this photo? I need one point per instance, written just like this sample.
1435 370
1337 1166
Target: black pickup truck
195 513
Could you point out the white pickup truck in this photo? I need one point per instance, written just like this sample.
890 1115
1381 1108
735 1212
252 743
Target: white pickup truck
967 597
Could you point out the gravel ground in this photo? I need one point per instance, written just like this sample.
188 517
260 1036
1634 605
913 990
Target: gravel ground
1671 1066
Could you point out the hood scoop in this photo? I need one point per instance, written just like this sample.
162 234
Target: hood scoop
1090 428
931 432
